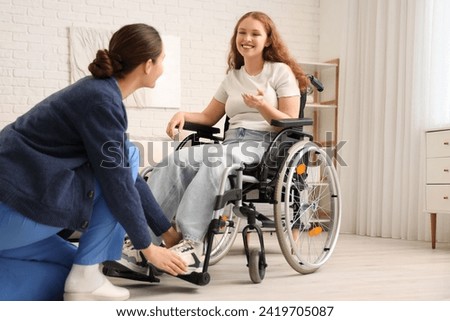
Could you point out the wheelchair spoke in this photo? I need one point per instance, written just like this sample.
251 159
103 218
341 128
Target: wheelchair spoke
308 210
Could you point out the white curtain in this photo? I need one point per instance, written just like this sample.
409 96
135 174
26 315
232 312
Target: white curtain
395 84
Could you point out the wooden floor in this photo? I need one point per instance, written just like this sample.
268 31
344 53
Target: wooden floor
361 268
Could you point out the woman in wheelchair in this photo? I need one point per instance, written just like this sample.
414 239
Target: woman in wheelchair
65 165
263 83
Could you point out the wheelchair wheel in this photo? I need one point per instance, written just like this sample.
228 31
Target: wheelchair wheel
256 266
307 209
224 239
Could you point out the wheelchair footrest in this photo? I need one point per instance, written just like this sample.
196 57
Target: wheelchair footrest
198 278
113 269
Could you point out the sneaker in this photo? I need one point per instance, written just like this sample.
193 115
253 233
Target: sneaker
133 259
191 253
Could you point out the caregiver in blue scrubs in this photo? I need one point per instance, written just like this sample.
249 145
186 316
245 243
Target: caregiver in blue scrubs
66 164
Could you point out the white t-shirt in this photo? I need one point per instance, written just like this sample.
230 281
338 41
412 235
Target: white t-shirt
275 80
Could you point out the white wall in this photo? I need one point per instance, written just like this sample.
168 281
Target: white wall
333 17
333 28
34 49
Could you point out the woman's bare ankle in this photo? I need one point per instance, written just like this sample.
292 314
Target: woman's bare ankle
171 237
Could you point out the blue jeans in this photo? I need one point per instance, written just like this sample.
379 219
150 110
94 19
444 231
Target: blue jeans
35 261
186 182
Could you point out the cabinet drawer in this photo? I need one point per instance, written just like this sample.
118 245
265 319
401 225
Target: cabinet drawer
438 170
438 144
438 198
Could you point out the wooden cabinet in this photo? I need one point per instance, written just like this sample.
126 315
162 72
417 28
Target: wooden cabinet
323 107
438 176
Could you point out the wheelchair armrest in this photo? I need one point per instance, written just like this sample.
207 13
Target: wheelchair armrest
291 122
201 128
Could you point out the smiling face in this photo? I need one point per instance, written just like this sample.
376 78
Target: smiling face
251 38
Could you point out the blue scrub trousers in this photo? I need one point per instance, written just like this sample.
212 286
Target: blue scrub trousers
35 261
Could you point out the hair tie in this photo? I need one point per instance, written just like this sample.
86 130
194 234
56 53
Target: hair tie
116 61
113 56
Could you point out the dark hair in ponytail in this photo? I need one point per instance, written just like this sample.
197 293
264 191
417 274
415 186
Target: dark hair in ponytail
129 47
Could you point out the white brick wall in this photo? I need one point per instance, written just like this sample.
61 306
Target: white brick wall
34 51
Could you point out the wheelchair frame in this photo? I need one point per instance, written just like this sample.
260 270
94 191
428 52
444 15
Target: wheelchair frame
271 186
302 185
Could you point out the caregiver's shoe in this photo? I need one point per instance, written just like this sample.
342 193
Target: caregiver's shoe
87 283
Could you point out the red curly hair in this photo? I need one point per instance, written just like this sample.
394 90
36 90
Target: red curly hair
277 51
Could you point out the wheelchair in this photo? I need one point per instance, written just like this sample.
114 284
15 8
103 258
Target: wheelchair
296 177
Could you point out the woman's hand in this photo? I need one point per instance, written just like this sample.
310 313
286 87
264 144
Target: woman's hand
165 259
254 101
288 107
175 124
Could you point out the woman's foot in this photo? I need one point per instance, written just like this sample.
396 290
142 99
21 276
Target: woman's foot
87 283
192 254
